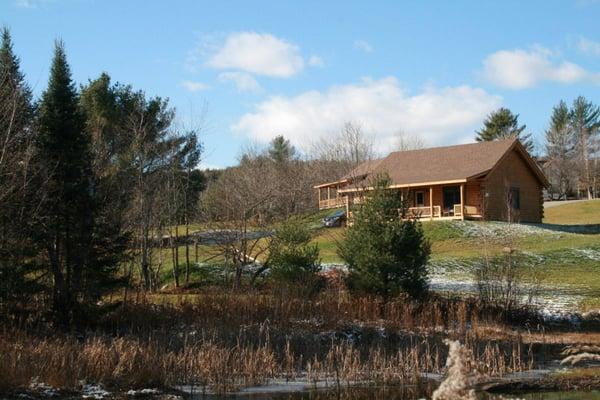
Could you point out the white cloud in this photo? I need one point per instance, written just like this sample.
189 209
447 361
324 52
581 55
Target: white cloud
243 81
193 86
519 69
315 61
382 107
363 45
258 53
588 46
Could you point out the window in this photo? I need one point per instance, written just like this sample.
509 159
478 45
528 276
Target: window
420 199
514 198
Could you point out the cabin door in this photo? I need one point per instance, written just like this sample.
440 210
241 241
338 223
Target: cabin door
451 197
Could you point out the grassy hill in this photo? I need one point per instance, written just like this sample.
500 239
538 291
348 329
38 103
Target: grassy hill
577 213
569 260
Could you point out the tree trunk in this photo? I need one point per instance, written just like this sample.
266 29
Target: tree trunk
187 251
174 259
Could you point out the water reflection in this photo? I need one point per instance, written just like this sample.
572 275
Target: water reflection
356 393
391 393
593 395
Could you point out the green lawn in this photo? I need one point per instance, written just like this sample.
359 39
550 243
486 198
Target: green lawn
585 212
565 258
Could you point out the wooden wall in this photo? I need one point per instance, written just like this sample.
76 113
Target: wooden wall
513 171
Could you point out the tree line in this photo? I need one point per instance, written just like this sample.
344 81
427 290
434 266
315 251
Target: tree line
571 150
89 176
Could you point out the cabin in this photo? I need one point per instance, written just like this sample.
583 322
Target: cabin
496 180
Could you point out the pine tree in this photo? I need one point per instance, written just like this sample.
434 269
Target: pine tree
503 124
67 223
17 195
585 123
385 254
281 151
16 107
559 150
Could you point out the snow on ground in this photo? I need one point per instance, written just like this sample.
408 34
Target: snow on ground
142 392
551 300
94 392
43 388
491 229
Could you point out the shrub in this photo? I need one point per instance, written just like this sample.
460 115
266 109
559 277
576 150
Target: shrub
501 279
293 261
385 254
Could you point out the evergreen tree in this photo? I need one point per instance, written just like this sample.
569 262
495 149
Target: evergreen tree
385 254
281 151
503 124
559 150
67 223
293 259
585 123
18 198
16 107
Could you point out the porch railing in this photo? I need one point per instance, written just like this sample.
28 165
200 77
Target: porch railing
332 203
425 212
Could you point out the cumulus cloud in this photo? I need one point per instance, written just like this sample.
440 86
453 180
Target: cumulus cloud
382 107
588 46
258 53
519 69
193 86
243 81
363 45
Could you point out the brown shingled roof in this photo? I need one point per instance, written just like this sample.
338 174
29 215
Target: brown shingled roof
438 164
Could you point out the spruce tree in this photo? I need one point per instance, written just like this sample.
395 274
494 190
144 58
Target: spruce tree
67 224
18 198
559 150
386 255
281 151
585 122
16 107
503 124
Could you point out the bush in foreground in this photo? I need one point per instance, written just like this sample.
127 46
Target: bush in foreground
386 255
294 261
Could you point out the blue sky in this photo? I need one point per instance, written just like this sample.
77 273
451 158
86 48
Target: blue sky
249 70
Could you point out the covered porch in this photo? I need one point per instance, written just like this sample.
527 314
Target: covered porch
329 195
451 200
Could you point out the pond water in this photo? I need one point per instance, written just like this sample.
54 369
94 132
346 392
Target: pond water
392 393
593 395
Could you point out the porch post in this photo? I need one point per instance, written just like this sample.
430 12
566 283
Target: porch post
347 206
319 194
328 196
431 202
462 202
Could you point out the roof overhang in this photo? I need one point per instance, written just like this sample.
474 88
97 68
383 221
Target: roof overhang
407 185
331 184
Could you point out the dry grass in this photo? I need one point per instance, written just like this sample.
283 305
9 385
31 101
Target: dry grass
130 363
226 340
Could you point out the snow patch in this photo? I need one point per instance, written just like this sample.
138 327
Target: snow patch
94 392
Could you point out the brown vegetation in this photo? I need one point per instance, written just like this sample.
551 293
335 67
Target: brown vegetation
223 341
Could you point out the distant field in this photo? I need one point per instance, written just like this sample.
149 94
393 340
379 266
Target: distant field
584 212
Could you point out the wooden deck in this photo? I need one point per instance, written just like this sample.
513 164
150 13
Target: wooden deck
338 202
